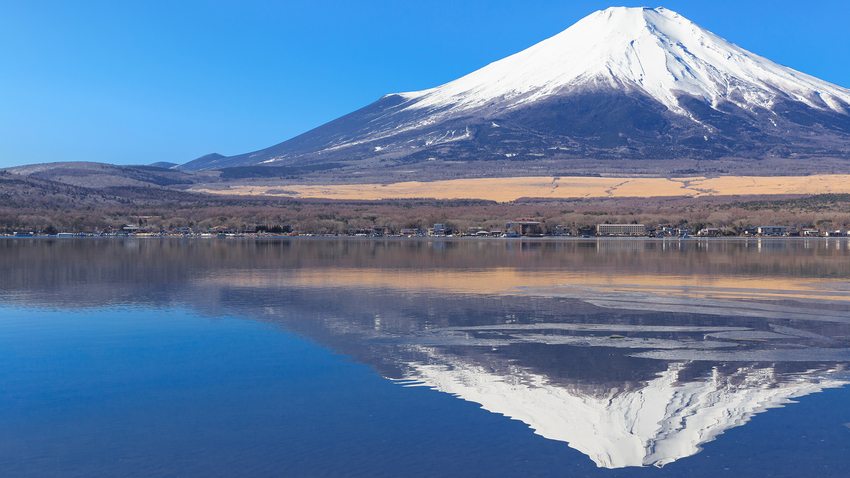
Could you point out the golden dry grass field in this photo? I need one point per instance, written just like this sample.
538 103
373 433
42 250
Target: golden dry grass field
509 189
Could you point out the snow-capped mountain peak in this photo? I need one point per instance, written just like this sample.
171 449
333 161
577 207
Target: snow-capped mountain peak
624 83
654 50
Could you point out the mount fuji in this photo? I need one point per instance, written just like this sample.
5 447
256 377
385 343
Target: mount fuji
623 84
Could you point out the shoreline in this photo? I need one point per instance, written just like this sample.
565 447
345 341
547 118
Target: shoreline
451 238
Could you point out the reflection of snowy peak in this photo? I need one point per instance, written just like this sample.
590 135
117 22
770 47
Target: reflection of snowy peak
621 83
658 424
656 51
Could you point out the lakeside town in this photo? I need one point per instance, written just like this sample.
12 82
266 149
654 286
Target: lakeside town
521 227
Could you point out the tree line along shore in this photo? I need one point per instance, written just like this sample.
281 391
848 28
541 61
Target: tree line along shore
182 215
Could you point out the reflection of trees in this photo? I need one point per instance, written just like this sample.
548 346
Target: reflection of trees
27 263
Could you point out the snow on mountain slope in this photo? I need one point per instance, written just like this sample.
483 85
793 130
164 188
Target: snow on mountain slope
654 50
622 83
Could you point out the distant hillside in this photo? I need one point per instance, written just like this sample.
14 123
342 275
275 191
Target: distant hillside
99 175
164 165
25 192
211 158
17 191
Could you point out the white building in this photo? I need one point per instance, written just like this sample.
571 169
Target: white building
621 229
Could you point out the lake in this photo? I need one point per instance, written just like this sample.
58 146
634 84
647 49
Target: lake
409 357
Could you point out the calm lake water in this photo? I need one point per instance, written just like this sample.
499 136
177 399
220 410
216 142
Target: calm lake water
325 357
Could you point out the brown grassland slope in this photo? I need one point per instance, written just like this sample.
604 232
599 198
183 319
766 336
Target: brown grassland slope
511 189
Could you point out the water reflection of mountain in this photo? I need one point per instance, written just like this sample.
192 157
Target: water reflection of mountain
684 340
664 420
564 367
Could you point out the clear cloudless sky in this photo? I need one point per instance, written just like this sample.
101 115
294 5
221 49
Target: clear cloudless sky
136 82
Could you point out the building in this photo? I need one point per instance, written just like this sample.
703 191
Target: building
621 229
438 230
560 230
524 227
772 230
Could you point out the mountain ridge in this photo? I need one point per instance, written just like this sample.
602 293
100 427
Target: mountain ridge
622 83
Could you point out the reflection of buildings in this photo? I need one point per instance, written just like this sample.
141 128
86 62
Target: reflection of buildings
660 423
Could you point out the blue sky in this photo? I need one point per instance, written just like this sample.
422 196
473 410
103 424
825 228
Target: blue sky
135 82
